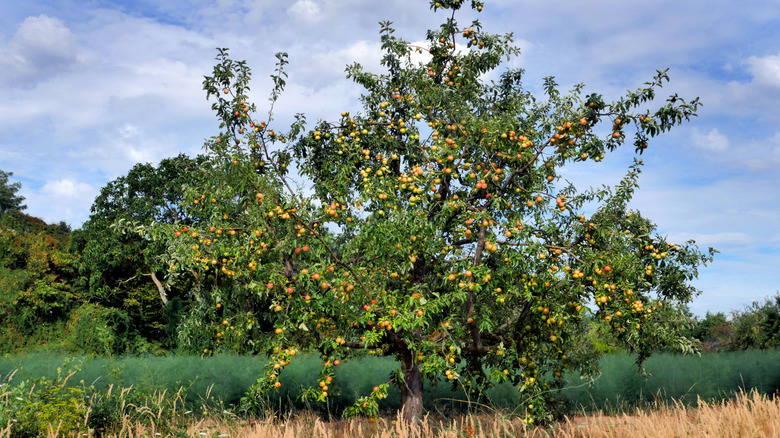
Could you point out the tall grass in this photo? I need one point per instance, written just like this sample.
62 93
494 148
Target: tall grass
747 415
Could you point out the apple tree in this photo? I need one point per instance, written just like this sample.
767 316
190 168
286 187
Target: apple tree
432 224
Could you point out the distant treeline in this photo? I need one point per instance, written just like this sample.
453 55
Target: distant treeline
99 291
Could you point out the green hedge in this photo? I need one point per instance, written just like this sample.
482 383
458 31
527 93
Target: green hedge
712 376
226 378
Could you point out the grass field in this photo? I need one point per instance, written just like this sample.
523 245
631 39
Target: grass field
731 394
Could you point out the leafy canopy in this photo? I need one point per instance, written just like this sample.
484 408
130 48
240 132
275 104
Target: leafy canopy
145 195
122 271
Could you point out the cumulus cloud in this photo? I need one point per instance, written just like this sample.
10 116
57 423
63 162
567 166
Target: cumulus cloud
326 67
65 188
305 10
766 70
41 47
128 131
64 199
712 141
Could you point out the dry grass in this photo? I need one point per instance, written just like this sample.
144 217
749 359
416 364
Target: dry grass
748 415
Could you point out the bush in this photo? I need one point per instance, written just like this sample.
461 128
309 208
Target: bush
35 407
62 406
95 330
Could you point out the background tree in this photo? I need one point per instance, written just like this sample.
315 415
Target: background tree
9 200
36 275
757 326
434 226
122 271
714 331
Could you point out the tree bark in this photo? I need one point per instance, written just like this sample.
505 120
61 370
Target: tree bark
411 389
160 288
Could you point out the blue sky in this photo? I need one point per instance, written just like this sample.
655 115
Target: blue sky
92 87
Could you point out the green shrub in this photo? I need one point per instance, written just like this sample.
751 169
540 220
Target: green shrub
33 407
95 330
64 405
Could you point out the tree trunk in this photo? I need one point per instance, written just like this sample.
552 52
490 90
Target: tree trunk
411 389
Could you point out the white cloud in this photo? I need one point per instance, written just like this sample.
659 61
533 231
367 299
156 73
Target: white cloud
420 54
761 155
305 10
712 141
128 131
65 188
41 47
324 68
766 70
64 199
